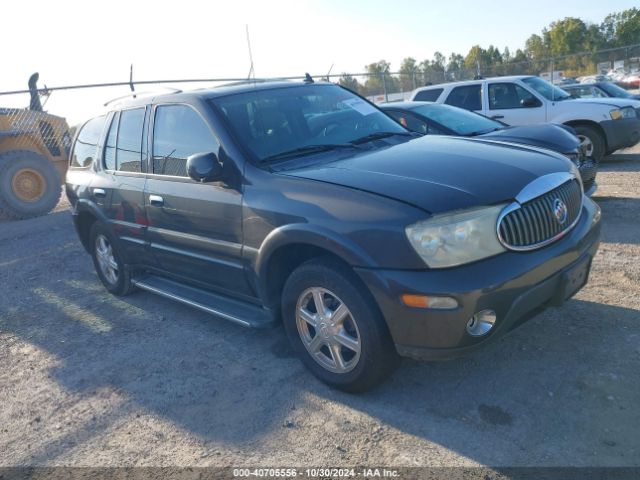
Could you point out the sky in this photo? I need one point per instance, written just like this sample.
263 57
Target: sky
74 42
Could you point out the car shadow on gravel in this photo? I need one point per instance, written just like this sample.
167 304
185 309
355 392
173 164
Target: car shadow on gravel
543 386
620 162
620 217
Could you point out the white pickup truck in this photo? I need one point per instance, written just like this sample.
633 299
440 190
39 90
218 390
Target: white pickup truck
604 125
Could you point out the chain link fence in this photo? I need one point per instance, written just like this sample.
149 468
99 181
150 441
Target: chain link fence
620 65
77 103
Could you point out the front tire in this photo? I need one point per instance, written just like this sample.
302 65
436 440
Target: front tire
108 261
592 140
335 327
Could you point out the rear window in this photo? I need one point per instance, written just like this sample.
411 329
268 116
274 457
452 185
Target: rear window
467 97
428 95
86 146
129 146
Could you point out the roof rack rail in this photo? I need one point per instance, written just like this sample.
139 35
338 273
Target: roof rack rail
137 94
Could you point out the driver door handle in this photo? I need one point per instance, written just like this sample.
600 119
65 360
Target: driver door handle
156 200
497 117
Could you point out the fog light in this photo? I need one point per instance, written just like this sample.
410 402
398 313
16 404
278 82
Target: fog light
481 323
425 301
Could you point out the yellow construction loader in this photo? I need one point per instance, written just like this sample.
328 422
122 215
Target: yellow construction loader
34 151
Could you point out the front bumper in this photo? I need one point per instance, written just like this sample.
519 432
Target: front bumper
621 133
515 285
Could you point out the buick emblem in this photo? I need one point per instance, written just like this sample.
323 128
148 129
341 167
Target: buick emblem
560 211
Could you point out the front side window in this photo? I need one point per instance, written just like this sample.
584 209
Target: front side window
129 145
547 90
614 90
86 146
179 132
584 92
468 97
286 123
509 95
428 95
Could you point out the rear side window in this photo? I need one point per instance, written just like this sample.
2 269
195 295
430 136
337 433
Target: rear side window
129 145
86 146
110 144
428 95
409 121
467 97
179 132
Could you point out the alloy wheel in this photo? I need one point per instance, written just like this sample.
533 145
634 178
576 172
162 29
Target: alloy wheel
586 144
106 259
328 330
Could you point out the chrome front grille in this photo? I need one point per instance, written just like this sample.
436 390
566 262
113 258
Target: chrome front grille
541 220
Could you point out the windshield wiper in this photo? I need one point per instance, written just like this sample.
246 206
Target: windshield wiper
307 150
378 136
482 132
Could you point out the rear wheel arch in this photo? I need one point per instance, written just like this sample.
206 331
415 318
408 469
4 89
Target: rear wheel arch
85 221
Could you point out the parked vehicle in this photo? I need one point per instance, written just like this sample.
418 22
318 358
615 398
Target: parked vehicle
594 78
631 81
599 90
34 148
603 125
307 204
429 118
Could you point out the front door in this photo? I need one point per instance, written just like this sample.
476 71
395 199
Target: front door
195 229
513 104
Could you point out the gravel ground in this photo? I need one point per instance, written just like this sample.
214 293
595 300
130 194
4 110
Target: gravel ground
88 379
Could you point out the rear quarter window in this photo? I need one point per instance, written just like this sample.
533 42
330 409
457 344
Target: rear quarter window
85 148
428 95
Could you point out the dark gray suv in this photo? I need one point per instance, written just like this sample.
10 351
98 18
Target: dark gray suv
304 203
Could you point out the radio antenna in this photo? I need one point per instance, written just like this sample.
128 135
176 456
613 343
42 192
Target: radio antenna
329 72
251 70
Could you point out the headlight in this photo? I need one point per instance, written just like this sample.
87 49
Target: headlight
454 239
626 112
575 171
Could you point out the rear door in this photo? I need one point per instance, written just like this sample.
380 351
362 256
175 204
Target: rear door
513 104
124 161
195 229
468 97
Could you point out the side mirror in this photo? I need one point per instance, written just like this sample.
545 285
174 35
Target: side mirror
530 102
204 167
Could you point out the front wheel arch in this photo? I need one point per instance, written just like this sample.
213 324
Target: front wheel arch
579 125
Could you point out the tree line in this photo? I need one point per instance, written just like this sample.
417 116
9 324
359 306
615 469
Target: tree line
562 40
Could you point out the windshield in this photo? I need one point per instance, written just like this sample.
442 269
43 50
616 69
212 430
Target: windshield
302 120
544 88
614 90
462 122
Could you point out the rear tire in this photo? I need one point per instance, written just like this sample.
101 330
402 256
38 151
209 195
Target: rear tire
349 347
30 185
108 261
593 140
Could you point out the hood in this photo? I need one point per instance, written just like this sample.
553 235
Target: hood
553 137
610 101
438 173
